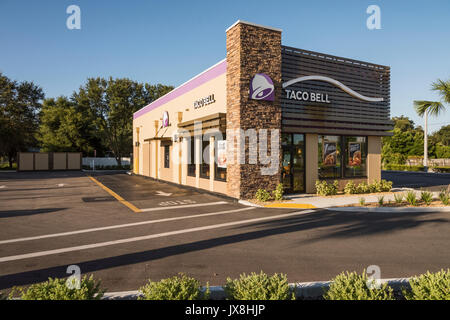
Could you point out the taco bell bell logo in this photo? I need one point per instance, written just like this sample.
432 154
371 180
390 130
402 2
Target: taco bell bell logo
261 87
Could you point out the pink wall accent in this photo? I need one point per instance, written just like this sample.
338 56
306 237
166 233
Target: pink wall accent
202 78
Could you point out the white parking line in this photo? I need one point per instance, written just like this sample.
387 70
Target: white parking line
69 233
147 237
184 206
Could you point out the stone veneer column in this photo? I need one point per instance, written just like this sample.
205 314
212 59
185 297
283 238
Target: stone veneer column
251 49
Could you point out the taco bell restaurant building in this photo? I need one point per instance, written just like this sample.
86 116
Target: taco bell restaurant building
326 115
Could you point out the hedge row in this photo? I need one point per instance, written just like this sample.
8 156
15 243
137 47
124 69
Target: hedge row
346 286
402 167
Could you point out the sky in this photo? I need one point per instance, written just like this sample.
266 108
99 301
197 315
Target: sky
169 42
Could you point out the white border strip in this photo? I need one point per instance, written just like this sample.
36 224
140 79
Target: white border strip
253 24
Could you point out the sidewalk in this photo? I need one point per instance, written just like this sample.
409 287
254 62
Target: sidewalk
308 201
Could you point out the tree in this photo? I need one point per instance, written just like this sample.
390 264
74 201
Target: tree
20 103
63 128
111 104
433 108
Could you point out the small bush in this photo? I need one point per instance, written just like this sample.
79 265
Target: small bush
278 192
262 195
259 287
411 198
429 286
363 188
326 189
179 287
386 186
352 286
426 197
350 188
444 197
56 289
381 201
362 202
375 186
441 169
398 197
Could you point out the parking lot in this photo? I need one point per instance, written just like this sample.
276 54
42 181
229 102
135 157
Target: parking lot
126 229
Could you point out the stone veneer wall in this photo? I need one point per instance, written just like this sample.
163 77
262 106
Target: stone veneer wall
250 50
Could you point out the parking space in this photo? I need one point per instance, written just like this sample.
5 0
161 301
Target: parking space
49 221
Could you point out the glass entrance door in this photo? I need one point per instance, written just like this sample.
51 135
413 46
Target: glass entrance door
293 166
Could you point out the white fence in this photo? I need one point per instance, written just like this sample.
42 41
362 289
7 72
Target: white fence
431 162
101 162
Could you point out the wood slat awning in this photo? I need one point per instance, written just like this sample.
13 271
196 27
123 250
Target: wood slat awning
216 120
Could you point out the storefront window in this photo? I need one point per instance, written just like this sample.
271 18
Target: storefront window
166 156
204 166
220 165
342 157
329 157
355 157
191 157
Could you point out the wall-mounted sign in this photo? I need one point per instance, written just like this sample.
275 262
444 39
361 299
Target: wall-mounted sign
222 153
354 154
338 84
165 119
329 154
262 88
204 101
307 96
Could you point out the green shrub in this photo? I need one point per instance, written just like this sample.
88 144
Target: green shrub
362 202
386 186
381 201
398 197
441 169
56 289
426 197
278 192
375 186
352 286
326 189
403 167
259 287
429 286
444 197
411 198
262 195
350 188
363 188
179 287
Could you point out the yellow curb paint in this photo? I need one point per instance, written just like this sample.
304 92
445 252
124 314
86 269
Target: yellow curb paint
115 195
291 205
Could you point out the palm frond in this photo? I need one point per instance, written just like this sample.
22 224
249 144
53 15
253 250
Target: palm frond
433 108
443 87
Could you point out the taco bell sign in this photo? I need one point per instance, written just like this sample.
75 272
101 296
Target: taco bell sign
262 88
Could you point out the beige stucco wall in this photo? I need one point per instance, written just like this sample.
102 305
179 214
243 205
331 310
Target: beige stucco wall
311 163
148 130
373 159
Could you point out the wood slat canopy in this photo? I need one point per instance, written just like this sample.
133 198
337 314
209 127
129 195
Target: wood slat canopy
216 120
345 114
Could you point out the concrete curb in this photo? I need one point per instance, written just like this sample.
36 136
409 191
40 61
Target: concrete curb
302 290
249 204
385 209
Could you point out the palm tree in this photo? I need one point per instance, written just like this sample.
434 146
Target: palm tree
434 108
